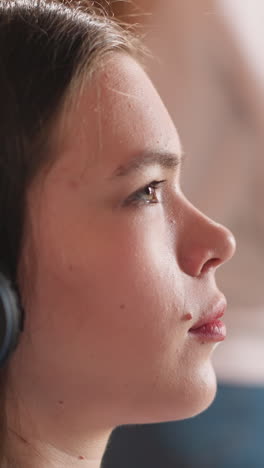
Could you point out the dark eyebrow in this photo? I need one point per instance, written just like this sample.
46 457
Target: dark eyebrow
165 160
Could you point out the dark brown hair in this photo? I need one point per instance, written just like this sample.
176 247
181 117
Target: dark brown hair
45 47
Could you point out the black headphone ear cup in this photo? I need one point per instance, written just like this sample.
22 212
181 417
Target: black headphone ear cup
11 317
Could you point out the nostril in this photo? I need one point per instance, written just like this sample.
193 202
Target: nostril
212 263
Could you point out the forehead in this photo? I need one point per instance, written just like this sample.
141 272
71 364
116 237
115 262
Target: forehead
117 115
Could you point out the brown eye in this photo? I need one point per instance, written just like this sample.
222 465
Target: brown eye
150 194
146 195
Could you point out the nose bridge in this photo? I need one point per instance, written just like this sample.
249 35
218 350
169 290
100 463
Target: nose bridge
203 243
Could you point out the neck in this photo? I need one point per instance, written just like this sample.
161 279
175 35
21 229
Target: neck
52 426
24 453
39 440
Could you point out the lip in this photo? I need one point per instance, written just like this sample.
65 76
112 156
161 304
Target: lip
209 326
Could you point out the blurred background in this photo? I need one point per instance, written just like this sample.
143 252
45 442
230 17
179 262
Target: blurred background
208 66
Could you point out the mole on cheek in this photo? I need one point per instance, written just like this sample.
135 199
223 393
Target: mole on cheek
122 306
81 457
187 316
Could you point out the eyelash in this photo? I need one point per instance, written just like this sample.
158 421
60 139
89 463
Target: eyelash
137 197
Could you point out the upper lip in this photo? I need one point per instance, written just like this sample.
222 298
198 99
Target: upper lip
213 312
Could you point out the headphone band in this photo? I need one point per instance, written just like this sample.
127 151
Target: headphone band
11 318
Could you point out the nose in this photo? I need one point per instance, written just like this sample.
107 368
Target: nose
202 244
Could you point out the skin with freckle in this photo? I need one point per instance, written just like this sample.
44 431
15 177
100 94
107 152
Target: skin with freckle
188 316
117 284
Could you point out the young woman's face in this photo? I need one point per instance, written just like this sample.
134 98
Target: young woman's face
125 263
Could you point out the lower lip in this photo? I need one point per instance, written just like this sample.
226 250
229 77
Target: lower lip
213 331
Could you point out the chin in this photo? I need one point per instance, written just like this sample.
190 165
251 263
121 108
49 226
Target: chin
170 401
204 396
200 394
194 396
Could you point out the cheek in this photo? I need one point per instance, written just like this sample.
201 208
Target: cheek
110 292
